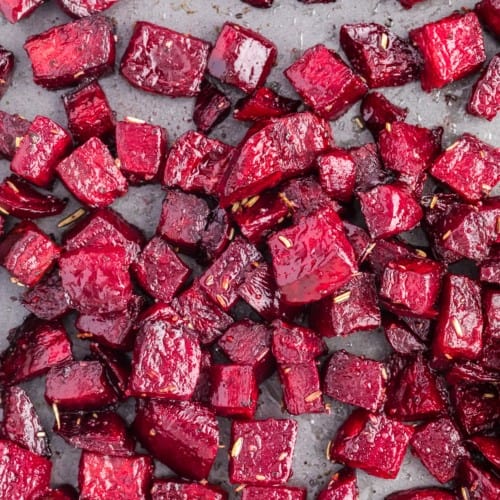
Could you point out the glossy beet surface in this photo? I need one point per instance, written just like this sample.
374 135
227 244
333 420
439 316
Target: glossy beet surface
12 129
174 490
293 344
211 107
342 486
377 111
82 8
6 69
273 493
15 10
264 103
485 98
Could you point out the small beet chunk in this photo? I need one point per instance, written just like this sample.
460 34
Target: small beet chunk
12 129
173 490
210 108
369 169
6 68
489 447
485 98
342 486
15 10
422 493
337 174
401 338
377 111
83 8
477 483
273 493
488 12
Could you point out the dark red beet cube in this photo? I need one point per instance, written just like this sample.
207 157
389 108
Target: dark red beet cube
490 272
383 252
262 451
6 69
210 108
489 447
377 111
422 493
12 130
294 344
60 59
313 258
27 253
369 169
15 10
39 151
114 478
117 366
485 98
488 12
163 61
401 338
477 483
173 490
373 443
337 174
273 493
183 435
263 4
89 113
92 175
311 76
82 8
355 380
241 57
342 486
384 59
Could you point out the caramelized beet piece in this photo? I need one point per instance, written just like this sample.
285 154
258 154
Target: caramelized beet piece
490 272
82 8
117 366
402 339
383 252
369 170
261 451
69 53
210 108
163 61
488 12
294 344
422 493
183 435
384 59
173 490
273 493
15 10
485 98
342 486
477 483
489 447
311 76
6 68
337 174
377 111
12 129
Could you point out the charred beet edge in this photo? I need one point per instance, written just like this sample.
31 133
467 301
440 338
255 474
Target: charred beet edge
6 68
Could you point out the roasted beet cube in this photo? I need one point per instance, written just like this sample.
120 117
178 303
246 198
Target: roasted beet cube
485 98
401 338
261 451
384 59
273 493
27 253
355 380
183 435
89 113
12 130
60 59
373 443
383 252
103 477
82 8
163 61
241 57
117 366
210 108
15 10
313 258
377 111
342 486
217 235
490 272
488 12
477 483
6 68
92 175
369 169
421 493
39 151
489 447
311 76
173 490
337 174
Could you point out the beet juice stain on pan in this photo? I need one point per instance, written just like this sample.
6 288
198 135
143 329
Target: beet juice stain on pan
293 27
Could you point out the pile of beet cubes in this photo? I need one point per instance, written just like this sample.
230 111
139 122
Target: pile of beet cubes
271 223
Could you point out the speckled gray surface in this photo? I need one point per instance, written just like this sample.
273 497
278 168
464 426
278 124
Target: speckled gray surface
293 26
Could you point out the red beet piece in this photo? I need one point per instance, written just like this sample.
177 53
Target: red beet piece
477 483
27 253
384 252
355 380
183 435
96 279
91 174
489 447
401 338
241 57
439 446
371 442
6 69
490 272
389 209
469 167
488 12
282 148
311 77
21 423
408 4
263 4
12 129
23 474
82 8
15 10
103 433
141 149
273 492
64 492
342 486
377 111
79 385
313 258
234 391
164 61
359 239
261 451
39 151
422 493
89 113
337 174
35 347
173 490
452 48
114 478
117 366
485 97
352 308
384 59
369 169
210 108
60 59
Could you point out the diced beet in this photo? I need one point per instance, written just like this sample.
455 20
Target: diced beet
337 174
103 433
79 385
15 10
164 61
39 151
489 447
117 366
27 253
488 12
96 279
12 129
60 59
477 483
114 478
89 113
21 423
359 239
342 486
210 108
470 372
401 338
490 271
371 442
452 48
384 252
217 235
91 174
173 490
422 493
439 446
241 57
384 59
352 308
183 435
273 492
82 8
263 4
469 167
485 97
282 148
313 258
311 76
490 210
23 474
203 386
421 327
369 170
6 68
377 111
261 451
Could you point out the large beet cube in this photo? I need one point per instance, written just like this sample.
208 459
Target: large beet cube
173 490
60 59
262 451
371 442
377 111
337 174
12 129
210 108
421 493
273 493
82 8
6 69
241 57
163 61
183 435
329 96
476 482
342 486
485 98
313 258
